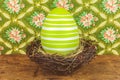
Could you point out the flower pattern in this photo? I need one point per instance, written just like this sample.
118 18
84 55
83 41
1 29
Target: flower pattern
111 6
1 49
13 6
86 20
37 19
109 35
15 35
63 4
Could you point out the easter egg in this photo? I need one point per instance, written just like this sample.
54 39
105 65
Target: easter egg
59 34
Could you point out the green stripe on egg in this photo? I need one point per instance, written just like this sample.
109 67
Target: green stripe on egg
59 25
66 45
60 51
59 34
60 42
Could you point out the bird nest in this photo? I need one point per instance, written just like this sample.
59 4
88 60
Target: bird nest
58 64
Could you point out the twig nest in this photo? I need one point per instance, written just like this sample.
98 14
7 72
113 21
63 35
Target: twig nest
61 65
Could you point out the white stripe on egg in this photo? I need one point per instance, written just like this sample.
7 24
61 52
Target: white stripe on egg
60 19
63 15
60 43
72 24
59 29
60 39
61 34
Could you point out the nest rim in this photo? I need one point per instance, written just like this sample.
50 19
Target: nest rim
70 63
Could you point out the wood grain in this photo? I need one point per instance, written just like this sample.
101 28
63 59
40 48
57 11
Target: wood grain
19 67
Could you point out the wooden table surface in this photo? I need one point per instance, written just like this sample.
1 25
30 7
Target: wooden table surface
19 67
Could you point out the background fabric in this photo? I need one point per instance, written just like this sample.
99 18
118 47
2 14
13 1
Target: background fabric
21 21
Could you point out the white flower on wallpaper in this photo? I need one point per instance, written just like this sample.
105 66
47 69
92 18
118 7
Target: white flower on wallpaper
86 20
36 19
13 6
63 4
15 35
111 6
109 35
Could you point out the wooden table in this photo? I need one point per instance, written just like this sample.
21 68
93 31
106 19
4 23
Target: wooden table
19 67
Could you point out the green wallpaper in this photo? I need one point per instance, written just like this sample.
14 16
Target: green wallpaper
21 21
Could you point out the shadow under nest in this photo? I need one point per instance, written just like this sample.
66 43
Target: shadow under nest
60 65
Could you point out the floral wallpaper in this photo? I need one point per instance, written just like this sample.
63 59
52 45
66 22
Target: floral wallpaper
21 21
15 35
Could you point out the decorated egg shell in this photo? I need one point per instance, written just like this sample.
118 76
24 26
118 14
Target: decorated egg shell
59 34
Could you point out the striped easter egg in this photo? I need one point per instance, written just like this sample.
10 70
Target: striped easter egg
59 34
